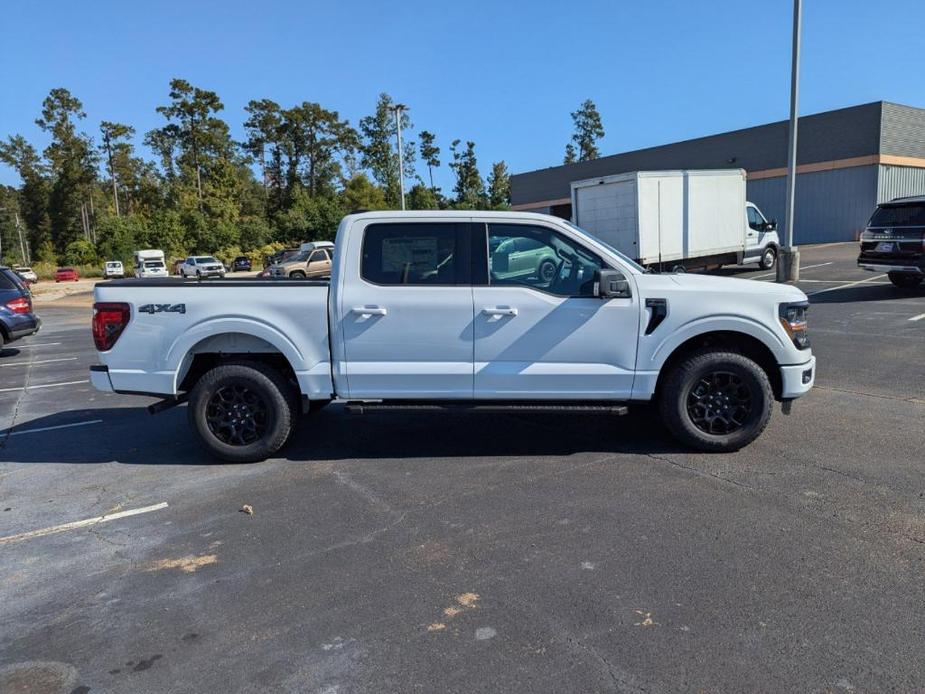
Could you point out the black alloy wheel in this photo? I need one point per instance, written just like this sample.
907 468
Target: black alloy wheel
719 403
237 415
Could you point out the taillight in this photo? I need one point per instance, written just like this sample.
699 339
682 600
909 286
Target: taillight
20 305
109 320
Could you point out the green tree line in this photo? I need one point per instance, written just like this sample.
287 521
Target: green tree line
87 198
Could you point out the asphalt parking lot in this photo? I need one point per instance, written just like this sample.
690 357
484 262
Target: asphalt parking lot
465 553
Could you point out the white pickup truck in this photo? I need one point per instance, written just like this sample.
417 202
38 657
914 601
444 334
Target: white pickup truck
481 310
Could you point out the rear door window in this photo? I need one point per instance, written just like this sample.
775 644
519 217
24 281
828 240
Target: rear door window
9 280
425 253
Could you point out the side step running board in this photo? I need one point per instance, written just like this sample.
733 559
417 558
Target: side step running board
359 407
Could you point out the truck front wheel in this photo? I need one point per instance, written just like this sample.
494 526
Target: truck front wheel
243 411
768 258
716 400
905 280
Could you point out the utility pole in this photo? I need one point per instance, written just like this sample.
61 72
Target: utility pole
788 266
397 109
22 247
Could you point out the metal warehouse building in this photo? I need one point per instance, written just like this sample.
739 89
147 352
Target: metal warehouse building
848 161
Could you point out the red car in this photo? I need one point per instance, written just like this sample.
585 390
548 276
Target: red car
66 274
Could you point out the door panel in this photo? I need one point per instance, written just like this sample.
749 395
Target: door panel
407 321
553 347
541 334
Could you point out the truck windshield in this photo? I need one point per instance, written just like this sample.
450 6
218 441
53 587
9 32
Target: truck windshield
898 216
206 259
606 245
155 264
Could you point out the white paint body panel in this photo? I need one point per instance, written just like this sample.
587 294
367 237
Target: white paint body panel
436 342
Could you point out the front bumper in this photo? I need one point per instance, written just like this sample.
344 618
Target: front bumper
797 379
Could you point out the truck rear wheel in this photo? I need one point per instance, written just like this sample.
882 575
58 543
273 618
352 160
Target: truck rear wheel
905 280
716 401
243 412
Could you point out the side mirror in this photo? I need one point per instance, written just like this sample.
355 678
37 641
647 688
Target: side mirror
611 284
772 225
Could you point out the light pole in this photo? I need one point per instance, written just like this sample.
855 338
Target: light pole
397 109
788 266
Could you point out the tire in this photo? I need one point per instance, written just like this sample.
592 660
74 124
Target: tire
679 269
768 258
266 416
713 421
297 275
546 271
905 280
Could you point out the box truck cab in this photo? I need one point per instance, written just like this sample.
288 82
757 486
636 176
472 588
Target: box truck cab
150 263
677 220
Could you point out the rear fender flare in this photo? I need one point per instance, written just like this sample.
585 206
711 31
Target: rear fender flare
179 355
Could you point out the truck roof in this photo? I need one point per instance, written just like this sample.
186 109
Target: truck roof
446 214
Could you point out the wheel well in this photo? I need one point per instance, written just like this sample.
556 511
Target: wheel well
746 345
234 347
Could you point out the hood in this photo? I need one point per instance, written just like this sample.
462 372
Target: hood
734 285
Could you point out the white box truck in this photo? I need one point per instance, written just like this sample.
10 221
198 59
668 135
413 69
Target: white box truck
150 263
677 220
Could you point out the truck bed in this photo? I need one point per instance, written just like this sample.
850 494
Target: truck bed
173 319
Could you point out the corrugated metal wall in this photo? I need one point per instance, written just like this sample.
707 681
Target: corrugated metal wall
830 205
899 181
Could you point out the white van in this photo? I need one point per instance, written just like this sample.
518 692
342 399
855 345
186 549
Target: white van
113 269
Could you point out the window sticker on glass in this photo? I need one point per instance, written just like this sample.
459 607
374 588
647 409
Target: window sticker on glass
400 254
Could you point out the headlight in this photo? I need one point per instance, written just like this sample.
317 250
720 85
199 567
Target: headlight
793 318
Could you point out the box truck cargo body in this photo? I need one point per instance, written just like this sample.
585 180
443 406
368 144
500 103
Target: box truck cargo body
676 219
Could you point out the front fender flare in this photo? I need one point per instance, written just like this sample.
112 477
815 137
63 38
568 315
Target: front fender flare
712 324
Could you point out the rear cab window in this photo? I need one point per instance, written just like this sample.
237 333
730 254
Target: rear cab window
416 253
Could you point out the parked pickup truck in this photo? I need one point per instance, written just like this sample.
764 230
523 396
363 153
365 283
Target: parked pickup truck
432 310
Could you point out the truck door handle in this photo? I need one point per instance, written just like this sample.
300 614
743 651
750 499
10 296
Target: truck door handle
370 311
496 311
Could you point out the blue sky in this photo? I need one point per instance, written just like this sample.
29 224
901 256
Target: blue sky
505 74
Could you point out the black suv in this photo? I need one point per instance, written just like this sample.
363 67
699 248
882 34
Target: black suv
17 318
242 263
894 241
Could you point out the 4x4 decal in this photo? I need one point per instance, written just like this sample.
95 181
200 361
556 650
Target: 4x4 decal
162 308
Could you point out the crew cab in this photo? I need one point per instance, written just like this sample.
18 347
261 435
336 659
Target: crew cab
894 241
201 266
423 310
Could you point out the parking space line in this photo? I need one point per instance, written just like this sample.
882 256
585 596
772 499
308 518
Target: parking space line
80 524
37 344
44 385
918 317
40 361
60 426
845 286
805 267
